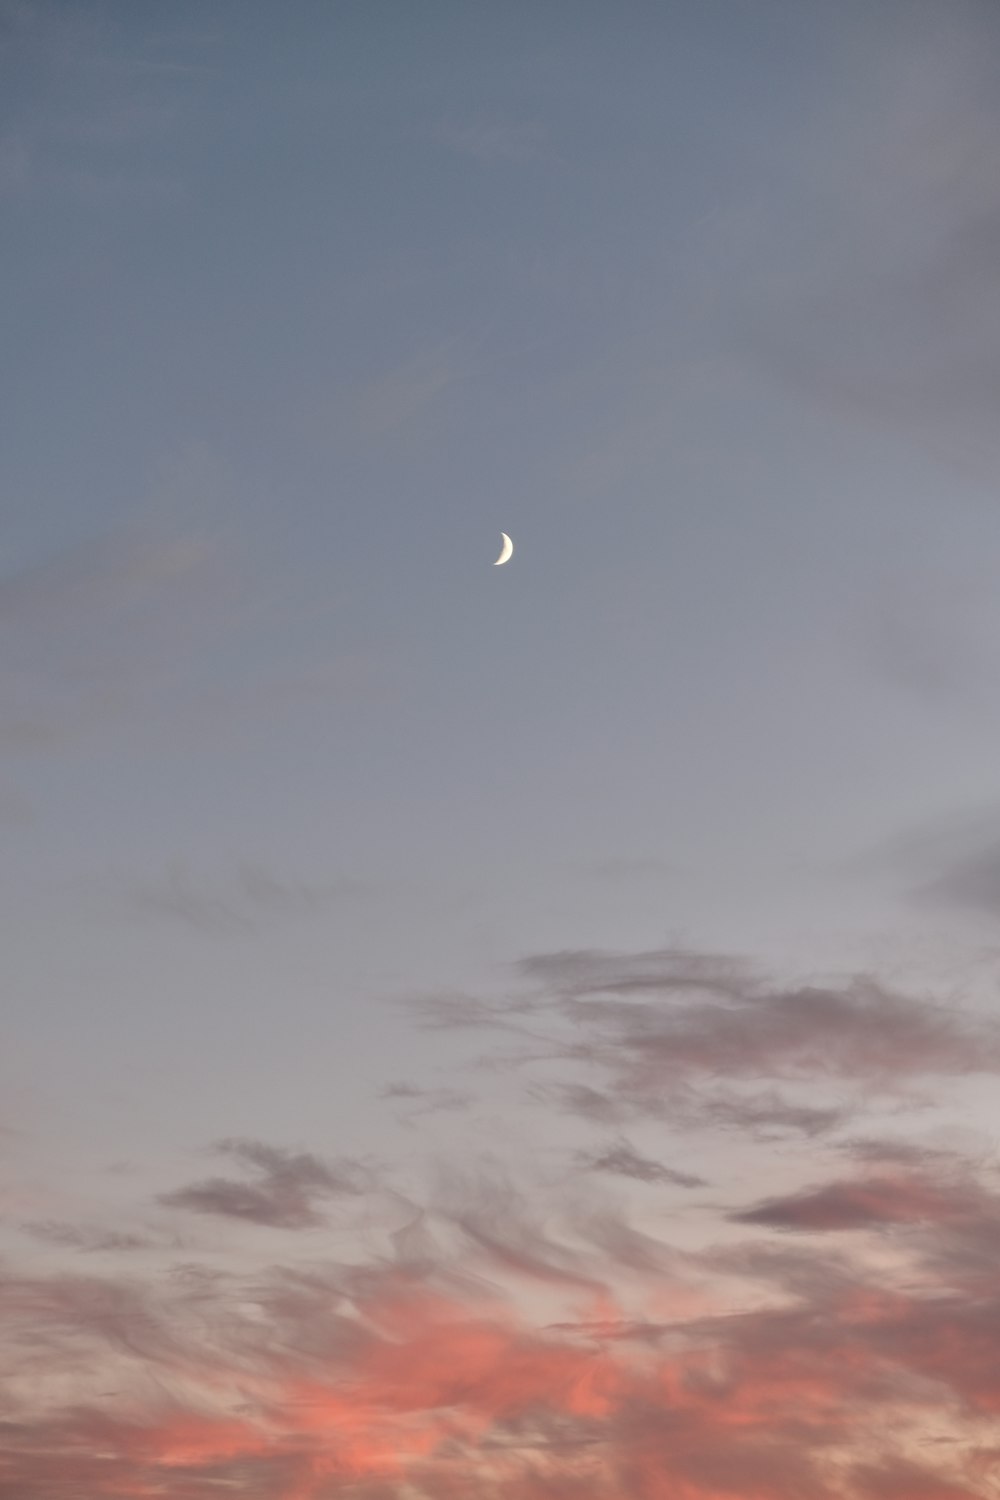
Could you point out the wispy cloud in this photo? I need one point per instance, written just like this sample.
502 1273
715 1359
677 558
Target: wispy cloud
623 1160
905 1198
249 897
700 1040
86 1237
812 1374
951 861
519 1334
418 1101
282 1194
972 882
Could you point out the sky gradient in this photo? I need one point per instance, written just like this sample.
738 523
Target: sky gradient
524 1032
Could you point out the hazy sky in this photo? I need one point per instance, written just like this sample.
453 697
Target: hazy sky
528 1032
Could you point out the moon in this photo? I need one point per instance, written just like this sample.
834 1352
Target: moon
505 550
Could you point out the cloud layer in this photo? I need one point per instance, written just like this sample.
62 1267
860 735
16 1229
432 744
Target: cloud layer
423 1376
526 1336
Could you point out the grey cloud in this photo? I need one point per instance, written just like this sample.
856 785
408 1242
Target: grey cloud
694 1106
764 1114
874 1149
86 1237
813 1274
283 1195
738 1027
866 1203
241 901
952 861
623 1160
949 861
579 972
622 1245
972 882
426 1101
500 1229
402 1091
580 1099
700 1040
924 850
457 1012
937 648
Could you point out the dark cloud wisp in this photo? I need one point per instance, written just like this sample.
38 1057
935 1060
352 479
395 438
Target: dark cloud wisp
283 1193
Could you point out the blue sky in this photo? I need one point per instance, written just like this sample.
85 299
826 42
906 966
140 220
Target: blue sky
303 306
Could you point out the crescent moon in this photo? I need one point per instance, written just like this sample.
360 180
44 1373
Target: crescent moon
505 550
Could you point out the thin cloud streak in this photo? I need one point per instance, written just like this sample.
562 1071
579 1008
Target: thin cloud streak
244 900
283 1194
623 1160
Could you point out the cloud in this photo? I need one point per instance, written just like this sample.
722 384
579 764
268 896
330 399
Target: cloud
699 1040
86 1237
766 1113
937 642
251 896
811 1376
283 1194
623 1160
581 1099
864 1204
972 882
906 1481
877 1149
426 1101
952 861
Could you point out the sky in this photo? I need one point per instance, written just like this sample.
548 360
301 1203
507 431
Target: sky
527 1032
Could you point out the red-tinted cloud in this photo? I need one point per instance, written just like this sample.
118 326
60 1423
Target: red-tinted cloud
530 1342
382 1379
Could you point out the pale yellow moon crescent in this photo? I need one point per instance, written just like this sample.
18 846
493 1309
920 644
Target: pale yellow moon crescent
505 550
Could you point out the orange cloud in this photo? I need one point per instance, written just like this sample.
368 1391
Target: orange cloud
401 1385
